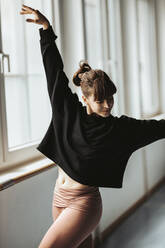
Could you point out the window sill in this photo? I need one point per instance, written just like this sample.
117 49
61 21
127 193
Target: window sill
16 175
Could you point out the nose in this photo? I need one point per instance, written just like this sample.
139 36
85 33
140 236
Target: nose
107 104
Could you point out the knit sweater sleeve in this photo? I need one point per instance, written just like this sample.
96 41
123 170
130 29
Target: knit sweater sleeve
59 91
141 132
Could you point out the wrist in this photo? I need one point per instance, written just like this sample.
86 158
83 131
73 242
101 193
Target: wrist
46 25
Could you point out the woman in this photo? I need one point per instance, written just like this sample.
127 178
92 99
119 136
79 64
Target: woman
67 185
91 146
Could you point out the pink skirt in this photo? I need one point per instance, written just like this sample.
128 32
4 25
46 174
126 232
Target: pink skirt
88 199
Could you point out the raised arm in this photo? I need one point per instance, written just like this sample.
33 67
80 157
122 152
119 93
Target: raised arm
51 57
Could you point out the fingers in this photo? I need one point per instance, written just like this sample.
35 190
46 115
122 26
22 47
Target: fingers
30 20
27 10
24 12
26 7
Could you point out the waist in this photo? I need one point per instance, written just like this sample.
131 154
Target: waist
66 182
77 191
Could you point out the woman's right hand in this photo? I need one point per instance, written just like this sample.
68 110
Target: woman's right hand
39 18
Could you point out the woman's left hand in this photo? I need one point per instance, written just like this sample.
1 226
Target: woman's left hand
39 17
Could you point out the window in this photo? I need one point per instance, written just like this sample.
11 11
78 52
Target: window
102 38
25 107
149 83
93 32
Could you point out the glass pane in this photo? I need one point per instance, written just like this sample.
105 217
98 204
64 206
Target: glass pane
13 43
147 57
111 28
93 32
27 102
17 117
39 106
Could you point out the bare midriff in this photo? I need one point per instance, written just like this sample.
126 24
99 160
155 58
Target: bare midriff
67 182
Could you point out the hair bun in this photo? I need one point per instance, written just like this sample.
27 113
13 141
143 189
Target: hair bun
84 67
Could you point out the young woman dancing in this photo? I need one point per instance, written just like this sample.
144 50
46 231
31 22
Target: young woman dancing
89 144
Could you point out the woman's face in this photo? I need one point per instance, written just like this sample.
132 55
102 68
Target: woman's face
102 108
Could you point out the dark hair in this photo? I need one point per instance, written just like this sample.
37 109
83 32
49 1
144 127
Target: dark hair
92 81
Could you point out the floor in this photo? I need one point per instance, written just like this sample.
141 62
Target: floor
145 228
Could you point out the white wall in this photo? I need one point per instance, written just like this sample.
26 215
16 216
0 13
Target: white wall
25 211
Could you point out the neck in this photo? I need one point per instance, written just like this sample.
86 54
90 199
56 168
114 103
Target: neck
89 110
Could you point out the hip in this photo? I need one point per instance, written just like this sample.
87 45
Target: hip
87 199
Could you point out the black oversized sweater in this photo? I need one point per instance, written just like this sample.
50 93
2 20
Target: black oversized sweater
91 149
